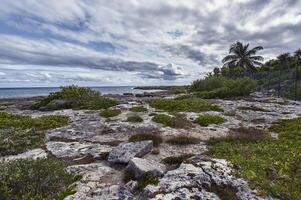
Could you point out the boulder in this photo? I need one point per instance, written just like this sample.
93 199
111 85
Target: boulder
141 166
123 153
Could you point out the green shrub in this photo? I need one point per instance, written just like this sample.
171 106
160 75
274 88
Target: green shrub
176 160
110 113
34 179
134 119
205 120
81 98
183 140
157 139
15 141
8 120
253 108
222 87
183 105
138 109
271 166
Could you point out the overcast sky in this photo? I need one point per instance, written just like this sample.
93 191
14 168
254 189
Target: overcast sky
135 42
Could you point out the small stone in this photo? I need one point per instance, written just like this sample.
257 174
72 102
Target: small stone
141 166
123 153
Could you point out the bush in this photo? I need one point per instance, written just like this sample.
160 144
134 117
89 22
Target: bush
157 140
221 87
205 120
138 109
34 179
15 141
270 165
81 98
176 160
110 113
183 105
134 119
8 120
183 140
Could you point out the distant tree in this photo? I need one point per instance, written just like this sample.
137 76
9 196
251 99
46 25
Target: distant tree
283 60
297 55
216 71
241 56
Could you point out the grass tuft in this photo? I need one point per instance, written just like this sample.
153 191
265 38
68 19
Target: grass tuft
110 113
184 105
252 108
178 121
8 120
157 140
134 119
205 120
183 140
176 160
138 109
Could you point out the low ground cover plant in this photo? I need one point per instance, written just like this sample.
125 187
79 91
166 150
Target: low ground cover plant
157 139
110 113
138 109
206 120
183 105
8 120
177 121
78 98
134 119
176 160
16 141
272 166
252 108
183 140
35 179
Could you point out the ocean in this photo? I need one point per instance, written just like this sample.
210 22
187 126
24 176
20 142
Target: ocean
44 91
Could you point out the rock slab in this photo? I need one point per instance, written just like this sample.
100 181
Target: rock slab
123 153
141 166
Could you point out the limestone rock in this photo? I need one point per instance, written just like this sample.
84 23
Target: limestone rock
31 154
90 172
77 149
141 166
114 192
123 153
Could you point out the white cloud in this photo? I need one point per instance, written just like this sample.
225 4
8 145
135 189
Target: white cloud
67 36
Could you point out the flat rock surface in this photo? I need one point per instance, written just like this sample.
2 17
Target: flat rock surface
77 149
125 152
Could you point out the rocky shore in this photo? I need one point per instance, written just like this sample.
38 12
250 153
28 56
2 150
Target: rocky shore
99 150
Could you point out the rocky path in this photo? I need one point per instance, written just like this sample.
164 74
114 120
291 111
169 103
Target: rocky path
98 149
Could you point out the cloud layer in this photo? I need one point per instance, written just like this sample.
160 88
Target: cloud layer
135 42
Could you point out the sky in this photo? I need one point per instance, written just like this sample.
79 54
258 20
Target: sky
135 42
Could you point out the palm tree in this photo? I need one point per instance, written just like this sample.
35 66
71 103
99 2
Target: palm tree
241 56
